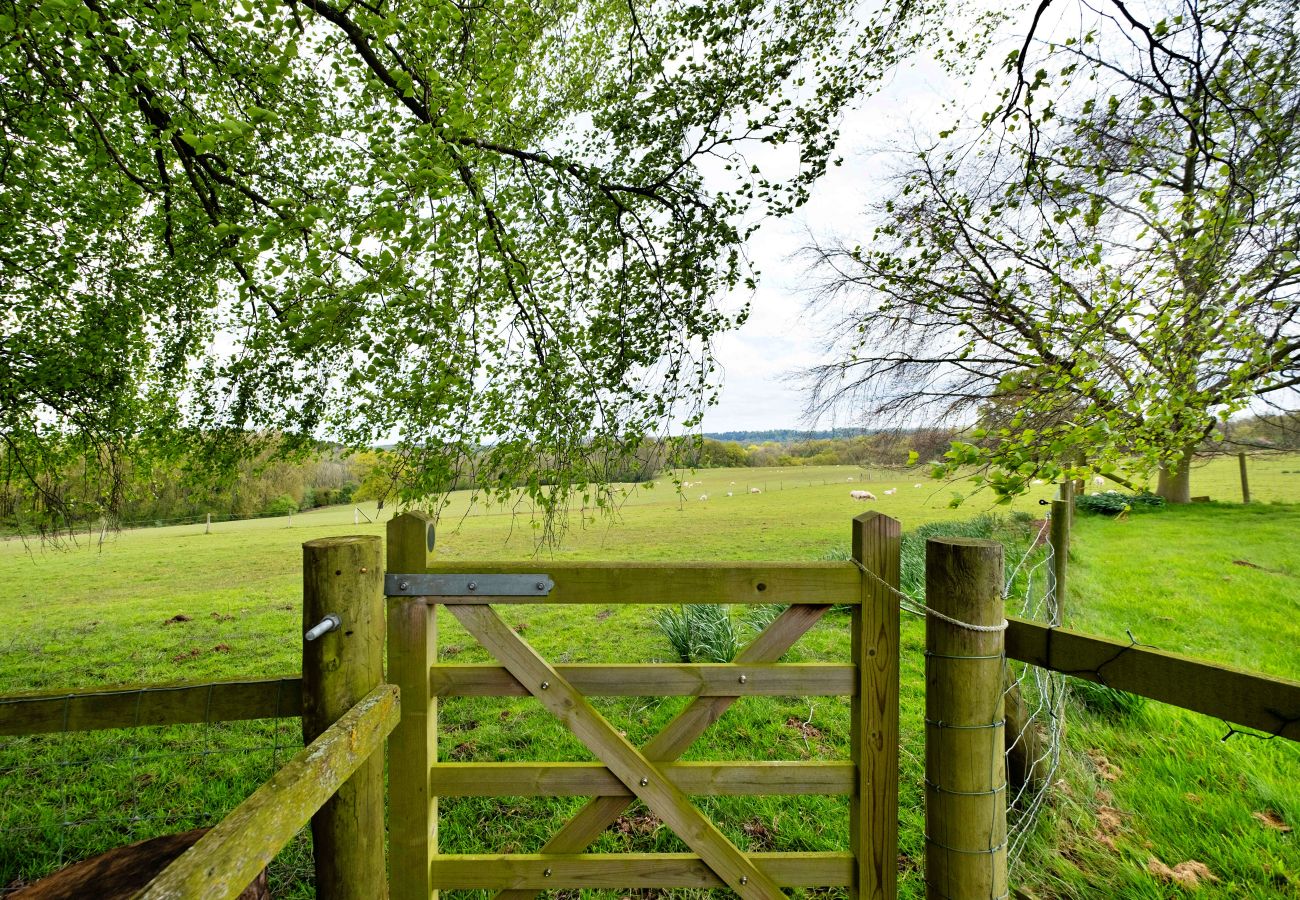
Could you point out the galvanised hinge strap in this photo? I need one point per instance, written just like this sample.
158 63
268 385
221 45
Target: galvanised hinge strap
466 585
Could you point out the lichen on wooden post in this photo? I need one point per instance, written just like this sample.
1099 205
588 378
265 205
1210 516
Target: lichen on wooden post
413 746
965 769
873 818
343 576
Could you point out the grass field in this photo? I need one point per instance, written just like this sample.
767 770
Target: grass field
1177 579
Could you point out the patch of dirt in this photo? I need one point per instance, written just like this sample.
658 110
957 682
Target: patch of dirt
463 750
223 617
451 650
604 614
645 823
1106 770
221 648
761 836
179 617
192 653
1187 874
1272 820
520 627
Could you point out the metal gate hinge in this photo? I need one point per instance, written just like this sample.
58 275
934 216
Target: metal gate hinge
467 585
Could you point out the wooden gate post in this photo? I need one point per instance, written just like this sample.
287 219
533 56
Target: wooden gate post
1245 484
413 745
343 577
965 769
1059 538
873 813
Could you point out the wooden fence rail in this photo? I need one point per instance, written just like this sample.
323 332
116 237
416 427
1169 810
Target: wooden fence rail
129 706
222 863
1262 702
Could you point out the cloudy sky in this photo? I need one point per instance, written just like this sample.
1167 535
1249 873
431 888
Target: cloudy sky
779 337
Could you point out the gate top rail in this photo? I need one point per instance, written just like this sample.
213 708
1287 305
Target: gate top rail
612 583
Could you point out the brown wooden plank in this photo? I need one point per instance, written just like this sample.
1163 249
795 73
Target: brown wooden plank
128 706
873 812
229 856
630 870
413 747
600 812
594 779
614 750
617 583
659 680
1262 702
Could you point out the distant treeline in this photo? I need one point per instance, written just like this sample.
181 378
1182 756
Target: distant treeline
862 448
785 435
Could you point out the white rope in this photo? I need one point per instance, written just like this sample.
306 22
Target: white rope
916 607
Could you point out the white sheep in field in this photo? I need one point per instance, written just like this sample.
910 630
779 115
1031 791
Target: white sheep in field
704 496
916 485
729 493
1098 480
1039 481
733 484
850 478
755 491
862 495
891 491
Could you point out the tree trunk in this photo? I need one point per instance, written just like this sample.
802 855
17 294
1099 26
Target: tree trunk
1175 481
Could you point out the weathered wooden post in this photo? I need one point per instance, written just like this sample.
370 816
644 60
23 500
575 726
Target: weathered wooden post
1066 493
1245 484
413 745
207 524
965 769
343 577
1059 538
873 812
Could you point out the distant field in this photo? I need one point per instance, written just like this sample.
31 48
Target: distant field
99 615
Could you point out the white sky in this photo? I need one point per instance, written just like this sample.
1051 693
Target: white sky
779 338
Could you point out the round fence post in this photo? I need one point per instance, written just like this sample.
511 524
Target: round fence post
1059 539
965 769
344 577
1245 482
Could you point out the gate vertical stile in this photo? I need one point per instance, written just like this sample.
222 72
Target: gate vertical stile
413 745
873 810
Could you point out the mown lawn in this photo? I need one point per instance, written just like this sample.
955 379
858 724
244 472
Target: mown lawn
1218 581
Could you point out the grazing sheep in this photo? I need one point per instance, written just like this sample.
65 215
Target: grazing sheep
1039 481
755 491
862 495
704 496
1098 480
916 485
729 493
891 491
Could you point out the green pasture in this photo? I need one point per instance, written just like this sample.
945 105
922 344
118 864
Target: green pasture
1216 580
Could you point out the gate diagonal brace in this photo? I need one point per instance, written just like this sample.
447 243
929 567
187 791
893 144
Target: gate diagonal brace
641 776
677 736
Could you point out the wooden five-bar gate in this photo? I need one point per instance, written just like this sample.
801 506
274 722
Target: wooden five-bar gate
349 706
650 773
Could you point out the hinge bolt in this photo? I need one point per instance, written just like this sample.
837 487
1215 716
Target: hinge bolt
546 873
545 685
473 585
744 879
743 679
541 585
644 782
405 585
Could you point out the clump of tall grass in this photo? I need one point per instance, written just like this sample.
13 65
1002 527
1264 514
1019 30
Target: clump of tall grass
1106 701
701 632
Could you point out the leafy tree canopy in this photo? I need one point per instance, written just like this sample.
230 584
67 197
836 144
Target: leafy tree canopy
484 223
1106 265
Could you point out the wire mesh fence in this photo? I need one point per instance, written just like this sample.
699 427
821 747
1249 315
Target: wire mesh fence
70 795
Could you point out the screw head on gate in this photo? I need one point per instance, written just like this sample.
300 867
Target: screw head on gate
541 585
644 782
545 685
473 585
546 873
743 679
403 585
744 879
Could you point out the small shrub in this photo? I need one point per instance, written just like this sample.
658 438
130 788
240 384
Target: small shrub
1106 701
1112 503
282 505
700 632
